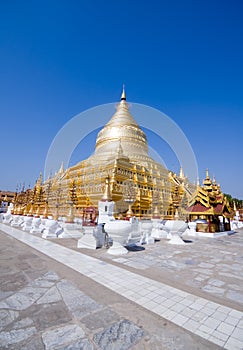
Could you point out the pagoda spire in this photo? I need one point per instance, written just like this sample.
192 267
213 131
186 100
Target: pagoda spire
207 174
39 180
61 170
207 183
181 175
123 95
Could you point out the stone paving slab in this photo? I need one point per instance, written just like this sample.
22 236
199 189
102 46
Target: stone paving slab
62 336
132 287
15 336
55 321
44 317
120 335
202 267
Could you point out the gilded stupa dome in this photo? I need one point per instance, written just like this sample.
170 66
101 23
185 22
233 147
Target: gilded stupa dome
122 130
119 170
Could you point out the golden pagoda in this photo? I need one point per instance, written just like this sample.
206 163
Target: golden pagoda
209 204
136 180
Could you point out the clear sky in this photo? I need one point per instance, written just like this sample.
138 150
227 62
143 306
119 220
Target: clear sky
59 58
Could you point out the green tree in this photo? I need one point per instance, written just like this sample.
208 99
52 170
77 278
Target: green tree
231 200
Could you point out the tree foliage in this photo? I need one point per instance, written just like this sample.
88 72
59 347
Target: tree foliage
231 200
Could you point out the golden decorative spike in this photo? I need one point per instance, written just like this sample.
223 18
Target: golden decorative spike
107 195
31 210
25 210
45 214
39 181
129 213
61 170
207 174
181 175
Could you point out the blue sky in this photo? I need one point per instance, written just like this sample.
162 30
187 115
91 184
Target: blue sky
60 58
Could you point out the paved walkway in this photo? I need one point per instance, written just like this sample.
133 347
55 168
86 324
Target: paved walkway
217 323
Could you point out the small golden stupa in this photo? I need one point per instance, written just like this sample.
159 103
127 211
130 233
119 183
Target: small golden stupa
209 205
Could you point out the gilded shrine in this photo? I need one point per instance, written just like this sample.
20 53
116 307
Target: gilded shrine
210 206
138 184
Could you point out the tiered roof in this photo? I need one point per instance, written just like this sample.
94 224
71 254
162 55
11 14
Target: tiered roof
208 199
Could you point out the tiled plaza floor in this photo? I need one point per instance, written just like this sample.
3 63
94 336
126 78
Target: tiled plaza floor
208 318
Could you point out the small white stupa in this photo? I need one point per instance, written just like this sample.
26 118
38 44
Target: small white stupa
106 205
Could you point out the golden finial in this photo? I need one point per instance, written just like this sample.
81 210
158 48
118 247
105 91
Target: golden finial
61 170
207 175
123 95
39 180
107 194
181 175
